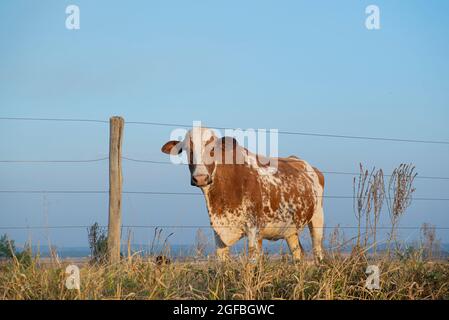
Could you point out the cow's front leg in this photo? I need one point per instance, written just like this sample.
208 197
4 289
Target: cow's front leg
222 253
221 249
254 244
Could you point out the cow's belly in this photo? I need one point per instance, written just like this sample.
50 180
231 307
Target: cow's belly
230 228
277 230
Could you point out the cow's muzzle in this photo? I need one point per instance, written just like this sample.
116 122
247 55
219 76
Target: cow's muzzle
201 180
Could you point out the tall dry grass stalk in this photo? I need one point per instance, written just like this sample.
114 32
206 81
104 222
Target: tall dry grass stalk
431 245
400 190
371 191
369 196
377 195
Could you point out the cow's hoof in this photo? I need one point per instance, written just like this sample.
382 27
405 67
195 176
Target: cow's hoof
319 260
162 260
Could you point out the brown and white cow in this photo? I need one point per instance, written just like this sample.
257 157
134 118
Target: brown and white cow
248 198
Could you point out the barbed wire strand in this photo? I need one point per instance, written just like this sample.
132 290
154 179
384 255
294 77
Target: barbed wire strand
200 226
324 172
171 163
325 135
177 193
55 161
54 119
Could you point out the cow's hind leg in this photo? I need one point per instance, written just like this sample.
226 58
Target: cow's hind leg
295 246
316 227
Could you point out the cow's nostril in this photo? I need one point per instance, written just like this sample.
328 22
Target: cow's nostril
200 180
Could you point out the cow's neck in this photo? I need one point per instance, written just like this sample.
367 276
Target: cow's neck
231 184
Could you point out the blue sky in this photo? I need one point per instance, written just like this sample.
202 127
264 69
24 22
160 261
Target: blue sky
308 66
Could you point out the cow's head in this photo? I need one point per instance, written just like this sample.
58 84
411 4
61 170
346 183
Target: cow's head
204 151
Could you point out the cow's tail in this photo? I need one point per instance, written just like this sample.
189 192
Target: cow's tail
320 177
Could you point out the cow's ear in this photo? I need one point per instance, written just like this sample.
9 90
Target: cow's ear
172 147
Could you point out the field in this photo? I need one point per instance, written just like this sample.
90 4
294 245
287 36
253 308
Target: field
418 271
340 276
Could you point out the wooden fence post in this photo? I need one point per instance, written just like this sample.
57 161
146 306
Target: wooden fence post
115 187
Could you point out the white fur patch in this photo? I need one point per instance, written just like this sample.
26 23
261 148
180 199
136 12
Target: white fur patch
265 173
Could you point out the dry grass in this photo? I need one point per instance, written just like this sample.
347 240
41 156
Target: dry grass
339 277
404 274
